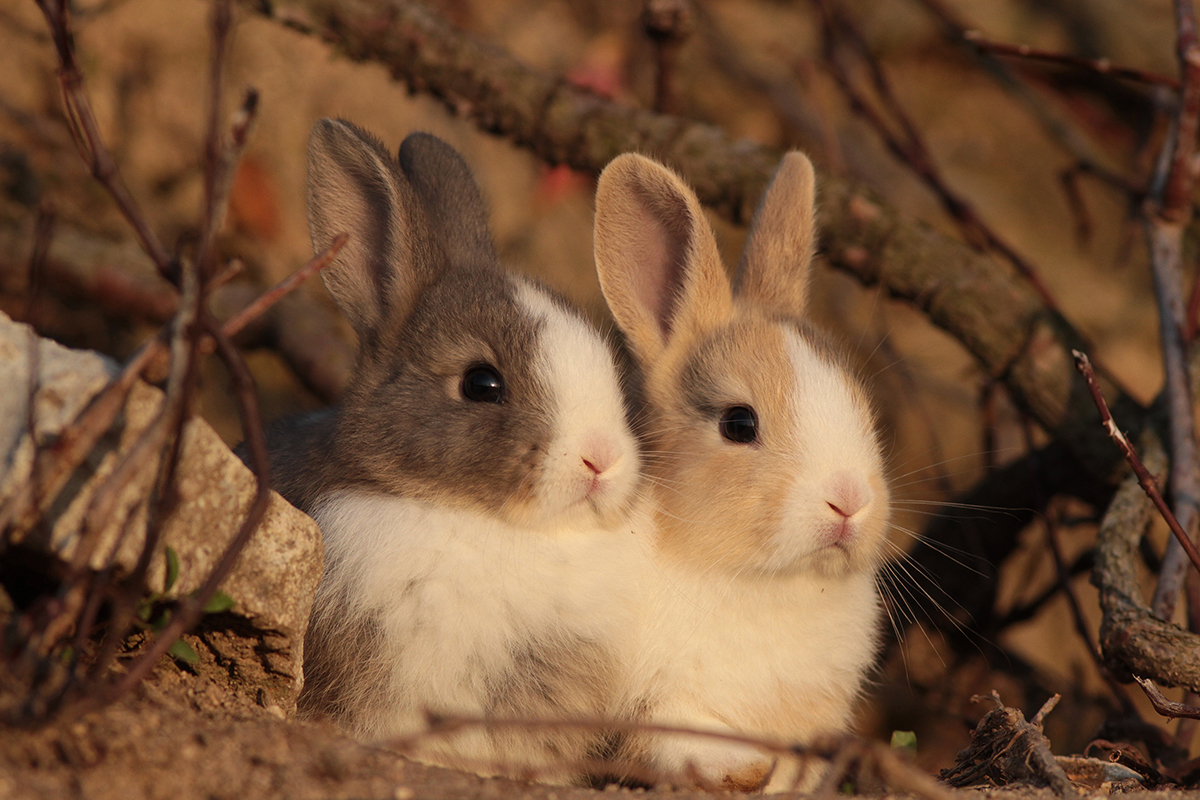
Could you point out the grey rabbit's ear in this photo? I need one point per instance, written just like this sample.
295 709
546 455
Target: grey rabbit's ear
356 187
452 201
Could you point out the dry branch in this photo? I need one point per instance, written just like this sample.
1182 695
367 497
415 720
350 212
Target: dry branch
1162 705
893 771
989 309
1145 479
904 139
1167 212
1100 66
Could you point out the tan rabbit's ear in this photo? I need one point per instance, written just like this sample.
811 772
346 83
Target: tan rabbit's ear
775 265
356 187
656 255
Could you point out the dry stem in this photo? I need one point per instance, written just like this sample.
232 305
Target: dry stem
1145 479
1165 707
1166 214
1100 66
86 134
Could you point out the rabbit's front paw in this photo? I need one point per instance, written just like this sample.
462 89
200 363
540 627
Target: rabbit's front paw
713 764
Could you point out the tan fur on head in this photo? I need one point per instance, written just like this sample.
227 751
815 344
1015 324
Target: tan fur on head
706 346
741 487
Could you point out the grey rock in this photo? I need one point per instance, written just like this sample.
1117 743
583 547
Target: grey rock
277 574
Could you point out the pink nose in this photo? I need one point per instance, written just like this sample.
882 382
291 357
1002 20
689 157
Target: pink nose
846 494
841 510
599 454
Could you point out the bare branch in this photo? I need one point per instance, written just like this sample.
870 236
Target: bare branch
1145 479
668 23
909 146
1162 705
1167 211
240 320
1100 66
1133 640
86 134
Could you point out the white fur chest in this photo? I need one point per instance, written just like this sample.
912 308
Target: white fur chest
724 650
460 599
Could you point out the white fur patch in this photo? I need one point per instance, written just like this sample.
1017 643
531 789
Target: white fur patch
720 651
589 422
836 454
459 595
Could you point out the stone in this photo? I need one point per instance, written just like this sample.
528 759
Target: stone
276 576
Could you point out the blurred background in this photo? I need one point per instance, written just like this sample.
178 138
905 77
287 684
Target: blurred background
1002 138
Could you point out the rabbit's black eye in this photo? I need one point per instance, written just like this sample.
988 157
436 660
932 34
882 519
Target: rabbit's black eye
483 384
739 424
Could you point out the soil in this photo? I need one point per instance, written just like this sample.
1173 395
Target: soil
198 732
180 736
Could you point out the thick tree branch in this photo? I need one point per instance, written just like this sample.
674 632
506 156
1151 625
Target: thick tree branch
992 311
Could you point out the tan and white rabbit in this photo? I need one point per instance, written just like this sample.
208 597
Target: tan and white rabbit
769 502
469 486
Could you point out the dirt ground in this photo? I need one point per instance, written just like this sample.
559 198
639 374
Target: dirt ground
180 736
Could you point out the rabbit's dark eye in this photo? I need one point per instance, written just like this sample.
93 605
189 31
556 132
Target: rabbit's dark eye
483 384
739 424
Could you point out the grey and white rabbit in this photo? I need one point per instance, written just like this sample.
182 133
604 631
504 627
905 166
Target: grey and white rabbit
769 504
469 487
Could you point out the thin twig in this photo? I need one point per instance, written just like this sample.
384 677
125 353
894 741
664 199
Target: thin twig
897 773
43 234
240 320
1145 479
54 465
1166 213
1061 133
191 608
909 146
1165 707
1100 66
668 23
86 134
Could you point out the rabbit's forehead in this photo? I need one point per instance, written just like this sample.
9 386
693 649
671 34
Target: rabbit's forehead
573 360
831 405
741 363
474 315
793 377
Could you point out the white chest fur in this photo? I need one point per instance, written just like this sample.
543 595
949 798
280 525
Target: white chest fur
777 658
468 610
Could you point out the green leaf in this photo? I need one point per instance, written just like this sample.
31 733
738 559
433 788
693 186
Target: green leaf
904 740
172 568
184 652
219 602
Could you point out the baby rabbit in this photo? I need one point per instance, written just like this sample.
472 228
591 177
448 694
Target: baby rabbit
470 485
770 504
